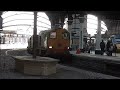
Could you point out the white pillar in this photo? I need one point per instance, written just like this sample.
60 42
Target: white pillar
83 26
81 35
98 36
85 33
76 28
69 29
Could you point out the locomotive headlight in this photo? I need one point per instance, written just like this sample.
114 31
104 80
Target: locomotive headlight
50 46
68 47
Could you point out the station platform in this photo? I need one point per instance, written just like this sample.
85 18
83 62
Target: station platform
7 71
63 72
100 63
94 56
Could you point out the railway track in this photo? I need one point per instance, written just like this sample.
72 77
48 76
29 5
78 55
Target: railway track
113 70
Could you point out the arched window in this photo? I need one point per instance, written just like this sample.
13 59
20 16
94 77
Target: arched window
22 22
92 24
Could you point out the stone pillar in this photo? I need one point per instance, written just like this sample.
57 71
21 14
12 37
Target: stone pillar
9 38
69 29
76 30
70 20
15 39
0 39
52 24
12 38
78 26
83 26
4 39
85 34
1 21
80 36
35 34
98 38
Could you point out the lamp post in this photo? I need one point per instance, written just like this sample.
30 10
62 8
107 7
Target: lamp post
34 34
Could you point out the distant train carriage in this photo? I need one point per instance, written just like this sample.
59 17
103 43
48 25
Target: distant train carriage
116 40
51 43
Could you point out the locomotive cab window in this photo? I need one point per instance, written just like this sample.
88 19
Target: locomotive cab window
65 35
53 35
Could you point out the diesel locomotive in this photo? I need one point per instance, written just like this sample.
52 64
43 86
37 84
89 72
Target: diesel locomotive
53 42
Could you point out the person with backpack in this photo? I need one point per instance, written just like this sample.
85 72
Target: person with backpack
115 49
109 48
102 46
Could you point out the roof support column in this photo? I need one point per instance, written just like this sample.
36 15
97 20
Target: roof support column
1 20
98 38
34 34
70 20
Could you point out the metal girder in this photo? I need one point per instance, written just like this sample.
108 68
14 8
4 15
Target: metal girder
107 16
112 15
104 14
1 13
56 16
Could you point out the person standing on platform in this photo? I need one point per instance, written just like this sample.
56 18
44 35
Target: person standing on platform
0 39
89 47
109 48
115 49
102 46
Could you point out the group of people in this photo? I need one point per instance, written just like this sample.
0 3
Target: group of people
88 47
109 48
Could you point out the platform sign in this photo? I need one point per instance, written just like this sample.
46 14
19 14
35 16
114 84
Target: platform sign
79 29
75 33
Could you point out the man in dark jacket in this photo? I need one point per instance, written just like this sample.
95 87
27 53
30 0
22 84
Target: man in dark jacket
115 49
102 46
109 48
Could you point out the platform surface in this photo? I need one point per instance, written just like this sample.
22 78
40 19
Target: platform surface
104 57
63 72
7 66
